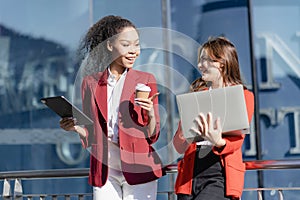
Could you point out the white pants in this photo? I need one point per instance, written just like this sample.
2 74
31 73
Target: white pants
116 187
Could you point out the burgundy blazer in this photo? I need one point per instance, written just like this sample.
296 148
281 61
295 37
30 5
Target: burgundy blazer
139 162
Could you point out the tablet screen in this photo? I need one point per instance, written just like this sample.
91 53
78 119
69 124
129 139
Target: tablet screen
64 108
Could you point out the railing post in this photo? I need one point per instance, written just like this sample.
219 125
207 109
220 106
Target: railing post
6 189
18 190
80 197
42 197
280 194
259 195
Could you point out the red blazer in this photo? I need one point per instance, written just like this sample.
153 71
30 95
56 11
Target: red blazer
231 159
139 161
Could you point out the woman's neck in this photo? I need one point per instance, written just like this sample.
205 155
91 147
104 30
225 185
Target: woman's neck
117 71
217 84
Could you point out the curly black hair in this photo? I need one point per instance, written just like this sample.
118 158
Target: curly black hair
93 44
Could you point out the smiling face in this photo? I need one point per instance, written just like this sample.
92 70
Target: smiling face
125 48
210 69
218 63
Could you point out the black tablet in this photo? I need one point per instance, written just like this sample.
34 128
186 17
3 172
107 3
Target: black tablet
64 108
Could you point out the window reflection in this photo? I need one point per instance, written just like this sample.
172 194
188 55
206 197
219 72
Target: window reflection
31 68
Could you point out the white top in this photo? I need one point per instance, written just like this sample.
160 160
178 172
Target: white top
204 142
114 91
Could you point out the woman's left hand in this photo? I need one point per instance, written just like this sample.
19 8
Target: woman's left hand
209 130
147 104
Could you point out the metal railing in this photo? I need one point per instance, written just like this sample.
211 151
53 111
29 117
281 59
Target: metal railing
18 176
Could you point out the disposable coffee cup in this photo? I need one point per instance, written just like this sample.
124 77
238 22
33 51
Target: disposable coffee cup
142 91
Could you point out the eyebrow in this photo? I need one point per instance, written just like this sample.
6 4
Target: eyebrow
208 59
129 40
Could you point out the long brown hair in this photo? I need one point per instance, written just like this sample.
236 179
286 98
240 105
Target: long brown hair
197 85
221 50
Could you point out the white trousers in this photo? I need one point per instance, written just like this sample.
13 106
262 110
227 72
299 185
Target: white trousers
117 188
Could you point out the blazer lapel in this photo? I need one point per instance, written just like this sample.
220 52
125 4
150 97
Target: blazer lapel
129 85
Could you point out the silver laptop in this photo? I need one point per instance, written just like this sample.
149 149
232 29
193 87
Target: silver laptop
228 103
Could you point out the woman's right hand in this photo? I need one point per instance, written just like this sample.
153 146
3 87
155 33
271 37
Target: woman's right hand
69 124
209 130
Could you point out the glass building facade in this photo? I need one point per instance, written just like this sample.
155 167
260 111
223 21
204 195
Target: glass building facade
38 58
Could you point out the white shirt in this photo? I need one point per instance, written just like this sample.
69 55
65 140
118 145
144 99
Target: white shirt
114 91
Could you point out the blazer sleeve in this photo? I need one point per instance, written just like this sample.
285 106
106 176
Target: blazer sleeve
179 141
235 142
153 85
86 98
